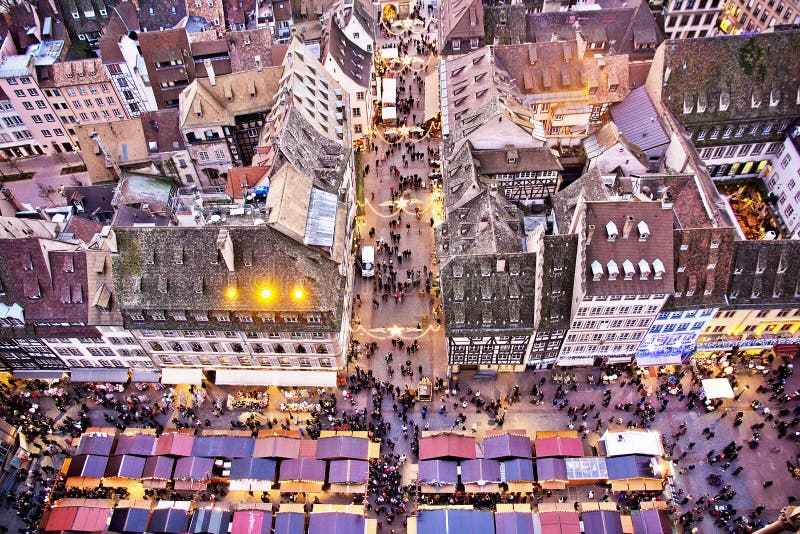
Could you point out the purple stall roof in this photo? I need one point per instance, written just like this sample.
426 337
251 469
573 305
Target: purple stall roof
602 522
87 465
513 523
276 447
336 523
174 444
342 447
139 444
193 467
158 467
348 471
305 469
125 466
507 446
438 471
560 446
548 469
98 444
480 471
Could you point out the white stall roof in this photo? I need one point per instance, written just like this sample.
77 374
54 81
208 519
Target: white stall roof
631 442
717 388
389 113
389 90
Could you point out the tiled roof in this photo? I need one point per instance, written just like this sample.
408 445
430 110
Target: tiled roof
241 177
78 72
618 218
527 159
460 19
162 128
248 45
734 72
764 273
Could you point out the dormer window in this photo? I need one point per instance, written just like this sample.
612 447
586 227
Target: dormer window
755 99
611 230
724 100
702 103
688 105
597 270
644 231
658 268
644 270
774 97
613 270
627 267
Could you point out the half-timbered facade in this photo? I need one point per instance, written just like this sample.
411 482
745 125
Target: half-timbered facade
522 174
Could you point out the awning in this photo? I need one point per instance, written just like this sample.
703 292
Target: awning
115 375
251 377
45 374
432 103
717 388
181 375
389 92
145 375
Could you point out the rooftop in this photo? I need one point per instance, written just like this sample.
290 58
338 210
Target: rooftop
15 66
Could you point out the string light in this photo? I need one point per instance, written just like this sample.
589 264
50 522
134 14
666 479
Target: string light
415 26
395 332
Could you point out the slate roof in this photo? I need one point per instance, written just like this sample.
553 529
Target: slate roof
460 19
588 187
162 128
505 24
560 256
78 72
738 69
353 61
248 45
639 121
95 200
658 246
765 274
146 275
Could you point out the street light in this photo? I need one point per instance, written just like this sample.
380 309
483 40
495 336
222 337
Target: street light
746 387
298 293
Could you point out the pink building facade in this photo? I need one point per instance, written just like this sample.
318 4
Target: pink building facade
87 90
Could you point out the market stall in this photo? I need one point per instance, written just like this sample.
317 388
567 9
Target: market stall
276 447
169 520
334 522
558 447
208 519
78 518
252 474
342 447
157 472
513 522
138 444
223 446
192 473
455 521
630 442
602 522
302 475
129 520
289 523
98 443
175 444
551 473
651 522
86 470
447 445
586 470
123 471
348 476
509 444
254 522
518 475
560 522
438 476
717 388
480 475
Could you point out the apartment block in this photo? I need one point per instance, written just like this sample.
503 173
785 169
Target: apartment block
687 19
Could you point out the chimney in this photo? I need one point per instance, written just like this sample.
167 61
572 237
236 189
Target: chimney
626 230
257 59
212 78
589 235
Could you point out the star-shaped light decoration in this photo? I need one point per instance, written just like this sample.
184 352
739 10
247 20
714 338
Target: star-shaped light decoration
395 331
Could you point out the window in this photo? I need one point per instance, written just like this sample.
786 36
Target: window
47 133
93 89
219 154
360 95
84 117
49 118
37 119
786 160
356 112
88 102
33 92
11 81
40 104
203 156
358 129
99 102
110 100
456 44
95 116
27 105
20 93
474 43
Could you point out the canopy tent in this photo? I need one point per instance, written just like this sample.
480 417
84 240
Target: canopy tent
432 94
87 465
129 520
304 469
342 447
118 375
139 444
169 521
276 447
157 471
123 470
630 442
289 523
348 472
210 521
438 472
389 91
389 113
602 522
630 466
174 444
190 470
276 377
557 523
181 375
447 446
636 484
223 446
98 443
252 474
480 471
513 523
717 388
588 468
61 518
507 445
455 521
252 522
388 53
651 522
77 518
336 523
43 374
551 473
558 446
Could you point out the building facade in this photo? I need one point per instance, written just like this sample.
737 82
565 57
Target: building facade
687 19
783 175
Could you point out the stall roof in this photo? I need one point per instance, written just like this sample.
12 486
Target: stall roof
507 446
223 446
587 468
631 442
348 471
513 523
158 467
438 471
480 471
91 519
210 521
61 518
651 522
276 447
129 520
336 523
449 521
288 523
602 522
141 444
99 444
254 522
125 466
630 466
175 444
253 469
551 469
88 466
557 523
342 447
717 388
99 375
303 469
447 446
193 467
169 520
518 470
558 446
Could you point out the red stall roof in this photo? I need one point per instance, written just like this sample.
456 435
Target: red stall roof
447 446
558 447
276 447
91 519
559 522
61 518
175 444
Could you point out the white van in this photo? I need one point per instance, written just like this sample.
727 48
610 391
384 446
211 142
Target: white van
367 262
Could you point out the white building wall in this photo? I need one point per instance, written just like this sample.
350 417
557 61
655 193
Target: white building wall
691 18
115 348
360 99
784 180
